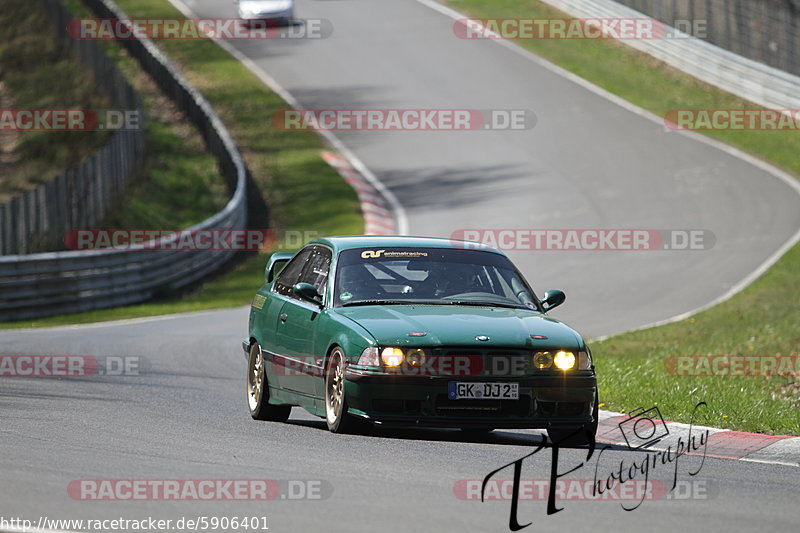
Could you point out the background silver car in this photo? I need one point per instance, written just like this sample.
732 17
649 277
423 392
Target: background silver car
278 11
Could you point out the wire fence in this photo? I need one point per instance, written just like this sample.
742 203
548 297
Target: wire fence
767 31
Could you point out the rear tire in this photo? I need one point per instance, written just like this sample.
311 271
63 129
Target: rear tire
258 390
335 401
576 436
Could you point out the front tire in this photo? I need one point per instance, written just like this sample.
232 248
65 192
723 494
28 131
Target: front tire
335 402
258 390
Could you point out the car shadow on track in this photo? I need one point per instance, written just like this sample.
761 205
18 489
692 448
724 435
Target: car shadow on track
500 437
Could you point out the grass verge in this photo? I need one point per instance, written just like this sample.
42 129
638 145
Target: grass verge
179 184
303 193
762 320
38 72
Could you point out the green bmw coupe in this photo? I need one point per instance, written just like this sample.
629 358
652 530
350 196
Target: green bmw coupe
414 331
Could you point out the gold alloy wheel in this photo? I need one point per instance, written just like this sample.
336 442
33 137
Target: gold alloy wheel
334 396
255 377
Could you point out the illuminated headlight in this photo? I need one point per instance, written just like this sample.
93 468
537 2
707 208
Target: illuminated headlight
565 360
562 360
392 357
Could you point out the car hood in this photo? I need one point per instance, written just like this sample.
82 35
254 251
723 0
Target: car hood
453 325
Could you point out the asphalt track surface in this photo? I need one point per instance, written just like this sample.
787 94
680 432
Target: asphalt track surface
185 417
589 163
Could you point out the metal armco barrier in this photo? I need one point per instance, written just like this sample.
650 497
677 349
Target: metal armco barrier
47 284
754 81
767 31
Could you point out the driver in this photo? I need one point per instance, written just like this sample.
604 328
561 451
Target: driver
356 283
460 278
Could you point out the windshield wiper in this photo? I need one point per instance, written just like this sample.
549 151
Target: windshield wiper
380 302
483 304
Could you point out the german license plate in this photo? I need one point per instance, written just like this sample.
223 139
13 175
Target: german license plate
459 390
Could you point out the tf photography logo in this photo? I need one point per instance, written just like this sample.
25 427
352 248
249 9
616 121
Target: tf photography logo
643 428
629 469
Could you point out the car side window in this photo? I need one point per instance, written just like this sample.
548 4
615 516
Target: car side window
290 275
317 269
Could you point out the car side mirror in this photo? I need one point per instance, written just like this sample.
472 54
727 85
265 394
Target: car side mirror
552 298
308 292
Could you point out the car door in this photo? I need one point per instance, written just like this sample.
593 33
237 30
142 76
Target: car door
297 325
280 361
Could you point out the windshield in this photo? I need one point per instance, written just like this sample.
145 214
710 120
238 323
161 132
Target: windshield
429 276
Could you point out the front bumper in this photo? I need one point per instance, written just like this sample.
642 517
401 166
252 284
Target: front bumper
544 401
275 16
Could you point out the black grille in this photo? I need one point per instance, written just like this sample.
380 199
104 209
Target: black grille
397 406
561 408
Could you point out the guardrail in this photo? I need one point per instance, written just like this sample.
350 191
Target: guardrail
36 220
767 31
47 284
759 83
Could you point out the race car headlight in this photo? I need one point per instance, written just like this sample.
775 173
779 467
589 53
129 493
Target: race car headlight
370 357
415 358
564 360
392 357
584 360
543 360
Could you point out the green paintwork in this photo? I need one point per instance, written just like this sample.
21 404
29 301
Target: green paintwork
458 326
297 334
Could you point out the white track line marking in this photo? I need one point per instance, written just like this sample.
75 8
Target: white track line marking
391 199
126 321
730 150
